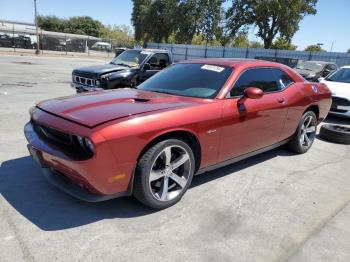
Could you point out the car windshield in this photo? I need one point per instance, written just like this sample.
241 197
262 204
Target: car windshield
342 75
130 58
194 80
311 66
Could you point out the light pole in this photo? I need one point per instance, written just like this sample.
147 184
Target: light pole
36 29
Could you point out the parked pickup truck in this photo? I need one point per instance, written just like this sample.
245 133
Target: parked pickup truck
126 70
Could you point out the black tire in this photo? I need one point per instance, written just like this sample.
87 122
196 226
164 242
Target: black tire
143 190
295 144
335 133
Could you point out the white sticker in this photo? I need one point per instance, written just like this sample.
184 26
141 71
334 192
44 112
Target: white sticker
213 68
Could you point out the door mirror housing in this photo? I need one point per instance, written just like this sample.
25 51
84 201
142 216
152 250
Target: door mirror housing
252 93
326 72
146 67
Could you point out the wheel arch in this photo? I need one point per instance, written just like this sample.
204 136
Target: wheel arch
187 136
315 109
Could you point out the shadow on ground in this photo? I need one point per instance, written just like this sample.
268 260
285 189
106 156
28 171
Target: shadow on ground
23 187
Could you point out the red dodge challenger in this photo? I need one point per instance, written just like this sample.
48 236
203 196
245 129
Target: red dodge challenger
190 118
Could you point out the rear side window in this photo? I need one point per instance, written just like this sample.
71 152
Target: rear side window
267 79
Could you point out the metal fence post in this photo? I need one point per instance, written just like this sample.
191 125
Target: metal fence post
41 42
223 52
205 50
186 52
310 55
65 40
13 38
247 52
87 45
275 53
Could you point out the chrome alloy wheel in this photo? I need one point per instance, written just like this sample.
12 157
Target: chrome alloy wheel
169 173
308 132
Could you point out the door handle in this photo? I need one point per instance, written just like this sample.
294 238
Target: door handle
281 100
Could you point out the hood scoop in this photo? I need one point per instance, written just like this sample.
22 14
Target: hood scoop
140 100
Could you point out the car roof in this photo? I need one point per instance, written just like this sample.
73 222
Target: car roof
347 66
152 50
233 62
320 62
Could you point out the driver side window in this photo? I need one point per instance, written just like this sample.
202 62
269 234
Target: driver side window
159 61
267 79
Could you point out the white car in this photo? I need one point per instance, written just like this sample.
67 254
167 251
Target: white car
339 83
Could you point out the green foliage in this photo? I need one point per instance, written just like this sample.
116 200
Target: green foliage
121 34
282 43
272 17
314 48
83 25
191 21
255 44
348 51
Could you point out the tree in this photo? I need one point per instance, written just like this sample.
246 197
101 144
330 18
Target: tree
348 51
139 17
273 17
83 25
51 23
255 44
282 43
241 41
314 48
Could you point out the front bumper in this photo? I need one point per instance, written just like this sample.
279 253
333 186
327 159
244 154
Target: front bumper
340 106
83 88
89 180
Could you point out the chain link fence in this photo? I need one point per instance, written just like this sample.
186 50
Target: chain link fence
21 37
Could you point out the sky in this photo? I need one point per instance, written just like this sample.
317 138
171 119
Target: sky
330 25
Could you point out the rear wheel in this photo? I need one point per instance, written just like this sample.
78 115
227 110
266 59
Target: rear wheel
304 136
164 173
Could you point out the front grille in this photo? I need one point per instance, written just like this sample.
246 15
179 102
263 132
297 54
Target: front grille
65 142
339 101
84 80
52 135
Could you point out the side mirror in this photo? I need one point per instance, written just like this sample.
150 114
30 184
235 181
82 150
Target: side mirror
252 93
146 67
326 72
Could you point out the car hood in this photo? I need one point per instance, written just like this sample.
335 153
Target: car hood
93 109
338 88
95 71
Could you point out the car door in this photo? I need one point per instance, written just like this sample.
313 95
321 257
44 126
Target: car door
257 123
155 63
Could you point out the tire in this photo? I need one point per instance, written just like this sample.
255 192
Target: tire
336 133
164 173
305 134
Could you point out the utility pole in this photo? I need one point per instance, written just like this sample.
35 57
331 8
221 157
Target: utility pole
332 46
36 29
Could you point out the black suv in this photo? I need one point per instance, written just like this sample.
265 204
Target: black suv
126 70
313 70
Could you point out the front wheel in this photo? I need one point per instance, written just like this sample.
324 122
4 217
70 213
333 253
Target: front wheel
164 173
305 134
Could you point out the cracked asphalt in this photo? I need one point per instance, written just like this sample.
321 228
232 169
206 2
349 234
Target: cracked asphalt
273 207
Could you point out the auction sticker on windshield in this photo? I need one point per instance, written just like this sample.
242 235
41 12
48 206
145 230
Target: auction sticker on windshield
213 68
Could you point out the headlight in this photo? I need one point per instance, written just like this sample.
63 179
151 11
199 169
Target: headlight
89 144
311 75
86 145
